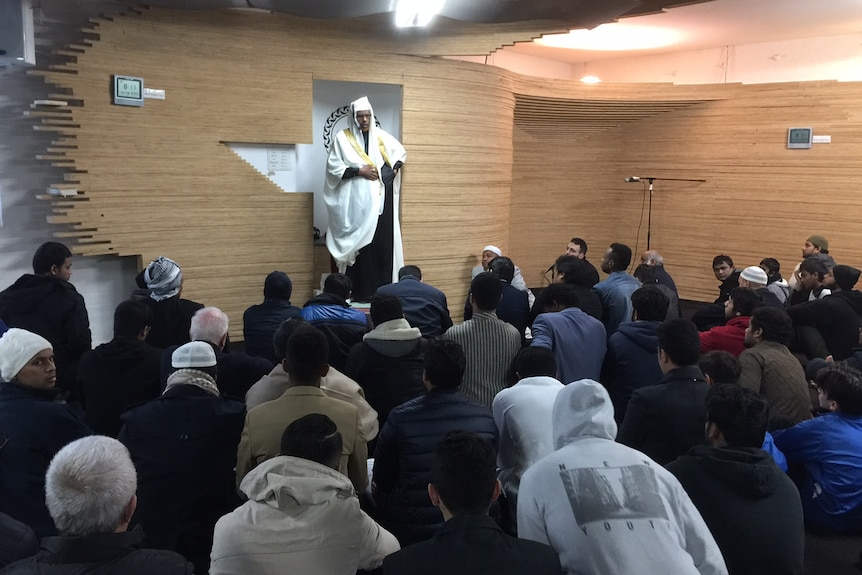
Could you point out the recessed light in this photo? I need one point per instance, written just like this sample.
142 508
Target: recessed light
591 80
416 13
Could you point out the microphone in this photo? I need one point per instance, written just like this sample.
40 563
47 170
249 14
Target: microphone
632 179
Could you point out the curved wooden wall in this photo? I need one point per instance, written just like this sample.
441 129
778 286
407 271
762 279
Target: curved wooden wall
493 157
760 199
158 180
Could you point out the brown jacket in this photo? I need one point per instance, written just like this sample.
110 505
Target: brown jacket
771 370
264 425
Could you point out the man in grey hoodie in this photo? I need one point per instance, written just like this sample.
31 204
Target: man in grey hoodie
605 507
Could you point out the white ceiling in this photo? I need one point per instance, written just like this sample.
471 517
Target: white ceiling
720 23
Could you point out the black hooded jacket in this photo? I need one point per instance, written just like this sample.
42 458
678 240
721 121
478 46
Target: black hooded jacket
751 507
54 309
836 317
115 376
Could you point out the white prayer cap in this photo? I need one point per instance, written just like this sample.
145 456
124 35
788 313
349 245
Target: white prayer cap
494 249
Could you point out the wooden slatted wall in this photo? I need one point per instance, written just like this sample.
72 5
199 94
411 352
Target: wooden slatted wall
158 180
760 199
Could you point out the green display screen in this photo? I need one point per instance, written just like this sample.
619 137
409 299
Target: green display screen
128 88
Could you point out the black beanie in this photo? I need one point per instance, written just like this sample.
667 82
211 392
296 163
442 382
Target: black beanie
845 276
277 286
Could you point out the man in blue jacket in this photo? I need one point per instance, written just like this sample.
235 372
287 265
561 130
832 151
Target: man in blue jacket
424 305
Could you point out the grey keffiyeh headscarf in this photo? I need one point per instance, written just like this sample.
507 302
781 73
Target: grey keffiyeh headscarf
164 278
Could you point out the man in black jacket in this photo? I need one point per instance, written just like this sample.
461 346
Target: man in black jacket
261 321
184 446
463 485
387 365
837 316
45 303
751 507
122 372
666 420
90 492
405 448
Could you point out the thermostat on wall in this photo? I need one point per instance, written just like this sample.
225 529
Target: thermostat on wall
128 90
799 138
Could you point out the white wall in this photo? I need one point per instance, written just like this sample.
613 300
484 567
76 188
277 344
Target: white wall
807 59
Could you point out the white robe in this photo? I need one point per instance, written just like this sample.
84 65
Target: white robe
354 204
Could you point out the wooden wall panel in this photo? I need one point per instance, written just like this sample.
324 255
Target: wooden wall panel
760 199
158 180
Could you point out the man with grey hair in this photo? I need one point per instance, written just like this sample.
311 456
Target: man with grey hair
655 260
237 371
90 491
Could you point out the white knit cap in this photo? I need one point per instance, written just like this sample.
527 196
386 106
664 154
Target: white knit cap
193 354
494 249
754 274
17 347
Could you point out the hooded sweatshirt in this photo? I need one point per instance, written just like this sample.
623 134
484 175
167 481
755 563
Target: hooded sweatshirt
388 365
751 507
836 317
300 517
115 376
631 362
607 508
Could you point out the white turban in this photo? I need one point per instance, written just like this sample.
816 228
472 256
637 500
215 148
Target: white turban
494 249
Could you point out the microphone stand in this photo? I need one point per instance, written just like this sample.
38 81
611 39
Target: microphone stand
649 211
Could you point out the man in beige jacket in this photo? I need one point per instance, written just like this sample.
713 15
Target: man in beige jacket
302 516
305 363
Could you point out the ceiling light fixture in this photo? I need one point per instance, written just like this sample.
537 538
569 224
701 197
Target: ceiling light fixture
416 13
591 79
616 36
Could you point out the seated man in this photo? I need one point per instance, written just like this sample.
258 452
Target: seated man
578 340
655 260
712 315
463 485
769 368
489 343
122 372
523 417
305 363
755 278
34 425
836 317
387 365
815 246
514 305
577 247
425 306
45 303
237 371
616 291
402 462
342 325
190 431
829 449
488 254
774 282
647 276
260 322
161 288
90 492
302 515
730 337
666 420
632 361
334 384
751 507
810 287
607 508
572 271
